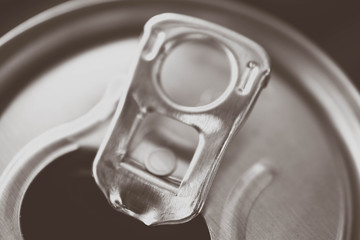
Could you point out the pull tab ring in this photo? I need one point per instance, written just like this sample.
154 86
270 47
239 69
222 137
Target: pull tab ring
131 188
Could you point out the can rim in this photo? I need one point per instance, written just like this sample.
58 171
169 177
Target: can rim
246 9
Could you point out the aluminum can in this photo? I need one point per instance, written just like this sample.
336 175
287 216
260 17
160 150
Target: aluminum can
291 172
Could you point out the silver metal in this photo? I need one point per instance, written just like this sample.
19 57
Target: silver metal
296 159
129 187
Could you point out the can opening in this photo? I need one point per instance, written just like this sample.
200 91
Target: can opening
64 202
195 73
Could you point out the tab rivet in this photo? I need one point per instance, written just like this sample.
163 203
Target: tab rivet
161 162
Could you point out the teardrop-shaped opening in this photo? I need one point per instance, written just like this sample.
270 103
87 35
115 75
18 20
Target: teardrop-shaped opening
64 202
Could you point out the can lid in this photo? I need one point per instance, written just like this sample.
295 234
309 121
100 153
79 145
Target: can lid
299 147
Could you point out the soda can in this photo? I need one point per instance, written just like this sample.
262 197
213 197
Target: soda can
290 172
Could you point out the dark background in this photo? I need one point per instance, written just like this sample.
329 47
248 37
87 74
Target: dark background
334 25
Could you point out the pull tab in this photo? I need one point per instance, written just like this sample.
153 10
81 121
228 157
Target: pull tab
141 190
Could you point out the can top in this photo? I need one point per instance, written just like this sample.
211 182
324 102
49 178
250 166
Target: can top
297 158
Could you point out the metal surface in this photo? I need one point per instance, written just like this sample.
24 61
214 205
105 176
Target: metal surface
124 181
297 158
